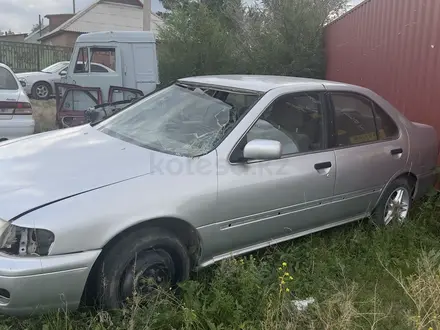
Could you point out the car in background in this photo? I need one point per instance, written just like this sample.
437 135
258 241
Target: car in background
206 169
41 84
15 109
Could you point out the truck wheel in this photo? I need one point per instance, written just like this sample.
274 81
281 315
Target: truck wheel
140 262
394 204
41 91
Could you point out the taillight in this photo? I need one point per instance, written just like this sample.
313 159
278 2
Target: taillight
23 108
16 108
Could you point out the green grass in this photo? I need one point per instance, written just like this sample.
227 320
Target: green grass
361 276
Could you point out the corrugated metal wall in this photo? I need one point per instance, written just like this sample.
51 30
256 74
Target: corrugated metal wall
393 48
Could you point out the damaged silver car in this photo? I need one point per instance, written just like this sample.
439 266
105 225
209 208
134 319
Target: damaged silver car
208 168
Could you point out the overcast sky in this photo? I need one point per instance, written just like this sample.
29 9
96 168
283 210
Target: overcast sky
20 15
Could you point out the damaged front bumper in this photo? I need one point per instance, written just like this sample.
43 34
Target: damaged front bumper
36 284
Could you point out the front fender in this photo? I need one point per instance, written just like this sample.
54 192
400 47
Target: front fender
90 220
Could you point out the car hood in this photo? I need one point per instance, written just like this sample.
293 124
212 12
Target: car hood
47 167
33 75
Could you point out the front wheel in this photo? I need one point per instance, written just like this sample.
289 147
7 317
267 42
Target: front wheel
141 262
41 91
394 204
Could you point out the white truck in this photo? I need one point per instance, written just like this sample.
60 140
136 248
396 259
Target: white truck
132 71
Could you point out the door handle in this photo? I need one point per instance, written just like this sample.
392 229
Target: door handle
396 151
322 166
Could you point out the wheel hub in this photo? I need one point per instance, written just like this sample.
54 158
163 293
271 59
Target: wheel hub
397 206
42 91
147 273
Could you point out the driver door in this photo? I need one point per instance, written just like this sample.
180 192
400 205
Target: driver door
270 201
97 66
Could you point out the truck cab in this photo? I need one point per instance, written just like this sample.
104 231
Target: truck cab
106 67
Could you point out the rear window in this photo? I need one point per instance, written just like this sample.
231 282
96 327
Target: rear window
7 80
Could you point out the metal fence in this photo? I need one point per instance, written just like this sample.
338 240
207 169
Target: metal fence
25 57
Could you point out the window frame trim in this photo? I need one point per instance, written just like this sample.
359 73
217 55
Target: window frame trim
325 129
88 61
332 128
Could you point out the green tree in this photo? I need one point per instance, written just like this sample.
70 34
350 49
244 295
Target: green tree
35 27
283 37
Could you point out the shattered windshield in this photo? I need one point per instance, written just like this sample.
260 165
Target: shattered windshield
180 120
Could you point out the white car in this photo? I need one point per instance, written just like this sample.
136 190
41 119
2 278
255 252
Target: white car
15 109
41 84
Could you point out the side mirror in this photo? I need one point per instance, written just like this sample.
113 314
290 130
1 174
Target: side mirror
262 149
23 83
63 73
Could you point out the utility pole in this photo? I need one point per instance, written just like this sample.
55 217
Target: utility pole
39 24
74 9
147 15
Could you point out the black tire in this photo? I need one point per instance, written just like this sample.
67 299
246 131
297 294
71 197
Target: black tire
41 84
378 215
140 251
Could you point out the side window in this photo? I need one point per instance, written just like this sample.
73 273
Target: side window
354 120
98 68
78 100
81 65
295 120
386 127
104 56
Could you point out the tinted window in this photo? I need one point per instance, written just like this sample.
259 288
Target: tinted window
295 121
386 127
354 120
7 80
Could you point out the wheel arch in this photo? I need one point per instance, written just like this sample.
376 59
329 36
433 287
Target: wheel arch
410 176
43 82
185 232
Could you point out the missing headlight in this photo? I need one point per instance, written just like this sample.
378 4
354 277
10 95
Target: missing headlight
25 241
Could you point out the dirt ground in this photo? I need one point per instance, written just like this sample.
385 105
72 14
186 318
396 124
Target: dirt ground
44 115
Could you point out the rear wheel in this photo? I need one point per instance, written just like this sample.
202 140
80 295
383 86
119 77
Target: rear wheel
395 203
41 91
141 262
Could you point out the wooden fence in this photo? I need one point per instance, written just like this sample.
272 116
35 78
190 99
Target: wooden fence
25 57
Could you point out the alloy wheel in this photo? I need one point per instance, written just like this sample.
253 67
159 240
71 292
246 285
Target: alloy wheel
42 91
397 206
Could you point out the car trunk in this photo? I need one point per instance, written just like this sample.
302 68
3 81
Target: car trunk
8 103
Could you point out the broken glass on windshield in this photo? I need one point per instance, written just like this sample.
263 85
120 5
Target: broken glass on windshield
180 120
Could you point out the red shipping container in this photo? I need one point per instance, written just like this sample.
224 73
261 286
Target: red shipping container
393 48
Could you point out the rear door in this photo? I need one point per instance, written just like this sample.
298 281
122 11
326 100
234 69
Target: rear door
369 150
74 103
145 67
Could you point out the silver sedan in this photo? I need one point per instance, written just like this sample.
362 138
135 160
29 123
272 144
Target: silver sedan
41 84
206 169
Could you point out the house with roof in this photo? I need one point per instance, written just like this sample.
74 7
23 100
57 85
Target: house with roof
16 37
102 15
37 34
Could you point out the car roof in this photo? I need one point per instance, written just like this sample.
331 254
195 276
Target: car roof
258 83
2 65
